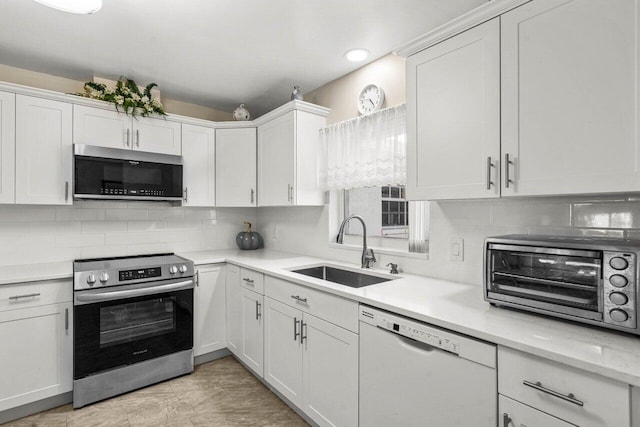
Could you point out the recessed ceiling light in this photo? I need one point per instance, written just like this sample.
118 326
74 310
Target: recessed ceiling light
74 6
356 55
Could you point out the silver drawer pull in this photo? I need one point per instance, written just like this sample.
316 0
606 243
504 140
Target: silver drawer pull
568 397
17 297
250 281
297 298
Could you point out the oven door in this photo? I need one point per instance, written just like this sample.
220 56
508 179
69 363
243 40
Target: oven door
108 173
567 281
120 326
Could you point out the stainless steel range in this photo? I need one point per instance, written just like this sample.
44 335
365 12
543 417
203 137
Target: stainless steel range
133 323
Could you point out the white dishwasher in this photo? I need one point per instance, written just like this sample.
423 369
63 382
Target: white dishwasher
414 374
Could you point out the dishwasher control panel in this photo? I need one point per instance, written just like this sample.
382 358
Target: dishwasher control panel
410 329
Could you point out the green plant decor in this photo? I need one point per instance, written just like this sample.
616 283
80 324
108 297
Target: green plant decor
126 96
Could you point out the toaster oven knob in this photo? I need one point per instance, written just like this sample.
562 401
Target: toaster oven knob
104 276
91 279
618 315
618 298
173 269
618 280
618 263
183 268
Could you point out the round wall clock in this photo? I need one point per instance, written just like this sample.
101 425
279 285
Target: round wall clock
370 99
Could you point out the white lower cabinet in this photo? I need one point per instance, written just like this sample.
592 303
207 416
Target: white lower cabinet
36 332
209 315
245 336
515 414
312 362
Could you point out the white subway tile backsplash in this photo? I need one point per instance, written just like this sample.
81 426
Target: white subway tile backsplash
146 225
69 213
606 215
126 214
104 226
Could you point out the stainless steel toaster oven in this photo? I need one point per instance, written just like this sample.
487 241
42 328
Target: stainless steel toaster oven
585 279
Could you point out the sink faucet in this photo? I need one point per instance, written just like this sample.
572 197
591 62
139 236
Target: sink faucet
367 253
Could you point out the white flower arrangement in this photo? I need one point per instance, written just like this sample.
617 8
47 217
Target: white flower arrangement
126 96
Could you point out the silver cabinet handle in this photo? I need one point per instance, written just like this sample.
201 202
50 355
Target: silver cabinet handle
288 192
507 162
568 397
17 297
303 332
252 195
85 298
489 166
506 420
248 281
137 137
186 193
128 137
296 334
297 298
258 313
66 191
66 319
197 277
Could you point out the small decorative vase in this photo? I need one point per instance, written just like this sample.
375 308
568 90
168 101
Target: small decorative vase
297 94
241 114
249 240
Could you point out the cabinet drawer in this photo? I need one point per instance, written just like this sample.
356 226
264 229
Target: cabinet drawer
252 280
33 294
331 308
547 386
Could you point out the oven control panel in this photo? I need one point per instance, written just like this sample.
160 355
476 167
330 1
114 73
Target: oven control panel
619 289
143 273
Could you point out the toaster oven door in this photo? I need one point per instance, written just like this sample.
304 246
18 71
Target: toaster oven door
561 280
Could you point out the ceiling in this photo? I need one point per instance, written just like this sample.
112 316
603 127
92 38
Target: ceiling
216 53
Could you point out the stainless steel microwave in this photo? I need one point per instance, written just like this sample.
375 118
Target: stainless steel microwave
584 279
111 173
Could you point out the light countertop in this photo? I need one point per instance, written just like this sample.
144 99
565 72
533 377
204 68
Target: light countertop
455 306
461 308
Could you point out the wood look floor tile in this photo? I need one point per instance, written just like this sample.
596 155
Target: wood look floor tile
219 393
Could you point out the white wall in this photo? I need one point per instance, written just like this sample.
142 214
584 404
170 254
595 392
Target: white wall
36 234
305 230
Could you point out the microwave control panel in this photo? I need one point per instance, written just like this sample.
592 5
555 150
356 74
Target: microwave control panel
619 289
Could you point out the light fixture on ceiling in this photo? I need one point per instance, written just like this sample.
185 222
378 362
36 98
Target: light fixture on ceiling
356 55
74 6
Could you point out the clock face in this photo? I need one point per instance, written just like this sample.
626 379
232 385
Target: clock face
370 99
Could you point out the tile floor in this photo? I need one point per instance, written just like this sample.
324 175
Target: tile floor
218 393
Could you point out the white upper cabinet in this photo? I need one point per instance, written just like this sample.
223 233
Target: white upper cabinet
7 147
199 155
453 125
43 151
109 128
288 149
236 167
570 97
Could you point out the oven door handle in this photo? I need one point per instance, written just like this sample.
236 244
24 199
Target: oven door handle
85 298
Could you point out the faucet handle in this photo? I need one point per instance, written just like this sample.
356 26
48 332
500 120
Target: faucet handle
394 268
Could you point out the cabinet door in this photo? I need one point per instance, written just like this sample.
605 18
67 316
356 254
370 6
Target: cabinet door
252 330
276 161
7 147
210 329
199 154
43 151
236 167
233 309
105 128
330 373
515 414
157 135
282 349
570 92
453 125
36 353
307 190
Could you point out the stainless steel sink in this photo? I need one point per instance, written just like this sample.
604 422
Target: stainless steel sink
349 278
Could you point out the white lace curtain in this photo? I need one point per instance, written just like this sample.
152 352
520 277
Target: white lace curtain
365 152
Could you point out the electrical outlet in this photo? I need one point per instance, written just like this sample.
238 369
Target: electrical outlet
457 249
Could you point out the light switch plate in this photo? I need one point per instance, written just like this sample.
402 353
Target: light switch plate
457 249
